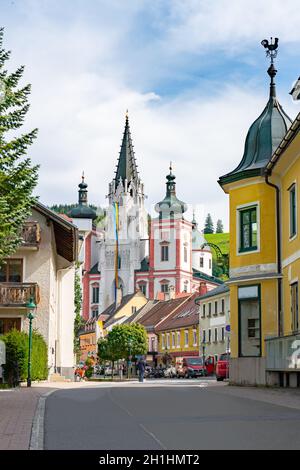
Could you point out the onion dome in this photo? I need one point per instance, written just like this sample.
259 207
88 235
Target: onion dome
264 135
82 211
170 206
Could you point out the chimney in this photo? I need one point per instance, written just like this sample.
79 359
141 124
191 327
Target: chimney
202 288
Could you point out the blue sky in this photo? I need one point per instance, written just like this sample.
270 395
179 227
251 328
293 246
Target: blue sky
192 74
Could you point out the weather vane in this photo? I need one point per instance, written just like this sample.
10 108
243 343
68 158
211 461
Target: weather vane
271 48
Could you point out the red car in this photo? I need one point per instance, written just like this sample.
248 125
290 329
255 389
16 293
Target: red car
191 367
222 367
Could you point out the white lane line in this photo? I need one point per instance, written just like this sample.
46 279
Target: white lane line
139 424
153 437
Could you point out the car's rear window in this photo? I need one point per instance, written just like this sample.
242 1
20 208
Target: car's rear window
224 357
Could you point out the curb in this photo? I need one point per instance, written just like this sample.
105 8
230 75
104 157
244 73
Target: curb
37 430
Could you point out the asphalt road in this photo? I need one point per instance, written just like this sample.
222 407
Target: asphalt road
166 417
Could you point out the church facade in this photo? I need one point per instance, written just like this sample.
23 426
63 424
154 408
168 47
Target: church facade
129 251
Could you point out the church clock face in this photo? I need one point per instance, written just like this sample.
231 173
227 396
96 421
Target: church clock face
2 91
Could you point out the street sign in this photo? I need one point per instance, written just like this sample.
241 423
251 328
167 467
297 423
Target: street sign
2 352
227 328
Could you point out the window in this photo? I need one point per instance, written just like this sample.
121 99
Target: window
216 307
178 339
222 333
185 254
209 309
163 341
210 264
294 306
95 294
216 335
186 338
94 312
185 288
203 311
173 340
293 211
152 344
168 340
194 337
201 262
8 324
249 321
133 310
143 288
209 336
203 336
223 306
248 229
119 262
165 287
164 253
11 270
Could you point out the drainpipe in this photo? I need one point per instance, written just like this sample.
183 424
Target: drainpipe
267 174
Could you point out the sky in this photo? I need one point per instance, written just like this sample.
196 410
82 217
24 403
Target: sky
192 74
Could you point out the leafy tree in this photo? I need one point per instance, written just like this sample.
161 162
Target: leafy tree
209 226
123 342
220 227
78 321
18 177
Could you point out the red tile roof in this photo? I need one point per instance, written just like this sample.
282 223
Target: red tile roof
186 315
160 311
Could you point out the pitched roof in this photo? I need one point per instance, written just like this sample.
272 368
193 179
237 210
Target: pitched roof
94 269
141 312
160 311
66 234
112 310
200 275
186 315
217 291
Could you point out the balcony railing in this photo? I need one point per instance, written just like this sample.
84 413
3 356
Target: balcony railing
31 234
283 353
18 294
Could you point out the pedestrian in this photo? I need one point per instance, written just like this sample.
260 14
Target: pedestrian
141 368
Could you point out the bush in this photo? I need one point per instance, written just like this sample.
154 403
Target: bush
17 356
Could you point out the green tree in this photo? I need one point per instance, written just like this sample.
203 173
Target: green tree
78 321
220 227
209 226
122 342
18 177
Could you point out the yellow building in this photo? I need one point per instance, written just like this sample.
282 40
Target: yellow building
178 334
264 247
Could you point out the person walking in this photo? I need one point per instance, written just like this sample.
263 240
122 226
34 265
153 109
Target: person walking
141 368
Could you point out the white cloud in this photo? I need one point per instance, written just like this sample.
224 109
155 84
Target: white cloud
82 86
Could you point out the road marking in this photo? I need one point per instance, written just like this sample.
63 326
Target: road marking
139 424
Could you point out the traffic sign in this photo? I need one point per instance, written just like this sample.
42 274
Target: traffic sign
227 328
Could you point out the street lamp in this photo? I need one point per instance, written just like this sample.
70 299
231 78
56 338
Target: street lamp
31 308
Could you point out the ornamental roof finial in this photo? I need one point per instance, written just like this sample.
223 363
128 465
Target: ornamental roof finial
271 52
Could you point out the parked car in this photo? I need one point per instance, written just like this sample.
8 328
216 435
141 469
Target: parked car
191 367
222 367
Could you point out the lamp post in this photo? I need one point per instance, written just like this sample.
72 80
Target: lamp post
31 308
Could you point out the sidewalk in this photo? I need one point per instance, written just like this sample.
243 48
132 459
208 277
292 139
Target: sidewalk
17 409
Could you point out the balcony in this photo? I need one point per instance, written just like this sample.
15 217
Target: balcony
31 235
283 353
18 294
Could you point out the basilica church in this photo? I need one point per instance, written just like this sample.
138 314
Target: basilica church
128 251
